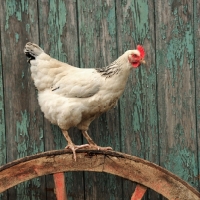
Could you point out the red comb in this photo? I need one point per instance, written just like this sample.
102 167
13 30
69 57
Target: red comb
141 50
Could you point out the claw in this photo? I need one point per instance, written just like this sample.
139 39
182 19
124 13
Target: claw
74 147
100 148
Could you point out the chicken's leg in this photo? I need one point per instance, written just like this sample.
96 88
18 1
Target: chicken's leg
71 145
92 144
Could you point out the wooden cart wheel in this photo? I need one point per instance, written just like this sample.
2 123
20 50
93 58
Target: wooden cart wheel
145 173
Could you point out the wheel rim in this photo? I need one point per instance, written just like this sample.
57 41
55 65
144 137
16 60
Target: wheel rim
123 165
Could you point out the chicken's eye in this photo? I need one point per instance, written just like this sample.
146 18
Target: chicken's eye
135 56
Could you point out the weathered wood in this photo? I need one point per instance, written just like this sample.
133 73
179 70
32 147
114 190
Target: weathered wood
97 43
123 165
138 106
59 38
197 76
3 159
24 133
176 88
160 106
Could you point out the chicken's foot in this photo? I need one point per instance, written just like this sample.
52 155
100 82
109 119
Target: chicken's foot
71 145
74 147
92 144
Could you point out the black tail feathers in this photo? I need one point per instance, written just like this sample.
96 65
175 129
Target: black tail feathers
32 50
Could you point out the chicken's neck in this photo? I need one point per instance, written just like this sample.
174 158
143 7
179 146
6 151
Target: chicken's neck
114 68
110 70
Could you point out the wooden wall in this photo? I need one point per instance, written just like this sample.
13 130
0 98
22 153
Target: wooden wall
158 116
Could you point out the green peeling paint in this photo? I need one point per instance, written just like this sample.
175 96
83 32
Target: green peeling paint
156 116
24 145
16 37
180 160
56 22
22 136
136 16
60 142
97 38
15 8
138 106
176 90
111 21
28 28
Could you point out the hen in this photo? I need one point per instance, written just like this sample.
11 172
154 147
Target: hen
74 97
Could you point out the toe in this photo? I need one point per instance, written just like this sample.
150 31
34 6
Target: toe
105 148
72 147
100 148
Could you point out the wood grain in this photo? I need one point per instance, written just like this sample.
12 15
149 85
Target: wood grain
111 162
176 88
197 78
3 150
97 43
24 133
157 117
59 38
138 106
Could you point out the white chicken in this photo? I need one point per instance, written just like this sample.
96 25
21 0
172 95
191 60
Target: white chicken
74 97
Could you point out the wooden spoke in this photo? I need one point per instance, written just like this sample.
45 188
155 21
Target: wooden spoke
139 192
60 188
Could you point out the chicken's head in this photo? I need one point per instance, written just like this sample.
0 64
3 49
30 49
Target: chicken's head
137 56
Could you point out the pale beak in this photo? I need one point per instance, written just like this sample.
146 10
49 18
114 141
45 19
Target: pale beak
142 61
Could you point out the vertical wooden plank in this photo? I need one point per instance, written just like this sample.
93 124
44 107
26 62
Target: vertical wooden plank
2 120
197 75
176 88
97 35
138 106
59 38
24 124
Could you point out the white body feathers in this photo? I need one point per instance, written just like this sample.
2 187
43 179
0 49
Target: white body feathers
74 97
